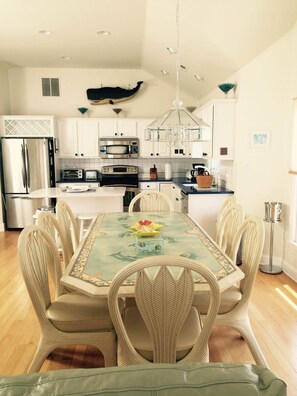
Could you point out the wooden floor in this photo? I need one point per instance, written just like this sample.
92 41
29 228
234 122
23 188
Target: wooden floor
273 313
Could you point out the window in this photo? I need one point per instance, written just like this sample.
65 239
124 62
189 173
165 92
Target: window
50 87
293 171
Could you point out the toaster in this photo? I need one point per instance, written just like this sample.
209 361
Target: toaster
91 175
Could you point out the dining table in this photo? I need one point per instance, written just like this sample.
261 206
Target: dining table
111 242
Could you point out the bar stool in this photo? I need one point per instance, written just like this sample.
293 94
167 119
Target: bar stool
43 209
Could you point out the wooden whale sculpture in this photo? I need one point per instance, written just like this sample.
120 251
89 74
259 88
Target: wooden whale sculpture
111 95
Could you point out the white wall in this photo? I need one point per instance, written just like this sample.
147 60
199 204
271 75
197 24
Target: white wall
265 91
153 98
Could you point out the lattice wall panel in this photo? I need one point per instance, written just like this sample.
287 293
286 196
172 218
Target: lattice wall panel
28 127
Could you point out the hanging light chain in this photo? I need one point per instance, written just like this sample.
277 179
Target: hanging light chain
177 55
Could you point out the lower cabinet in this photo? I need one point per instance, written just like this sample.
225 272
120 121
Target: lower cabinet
175 194
204 209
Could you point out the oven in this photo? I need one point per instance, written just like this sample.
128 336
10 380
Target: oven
121 176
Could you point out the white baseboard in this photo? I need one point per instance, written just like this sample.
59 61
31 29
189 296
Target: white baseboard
2 229
287 267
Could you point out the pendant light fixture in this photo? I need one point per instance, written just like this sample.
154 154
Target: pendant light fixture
178 125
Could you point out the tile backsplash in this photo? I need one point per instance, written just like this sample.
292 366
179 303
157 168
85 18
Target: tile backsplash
222 170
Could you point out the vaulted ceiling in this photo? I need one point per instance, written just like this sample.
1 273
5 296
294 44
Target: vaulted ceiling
217 37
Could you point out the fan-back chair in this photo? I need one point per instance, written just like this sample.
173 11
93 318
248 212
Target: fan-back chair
162 326
67 318
233 309
152 201
68 222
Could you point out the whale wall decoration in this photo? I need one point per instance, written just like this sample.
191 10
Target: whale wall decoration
99 96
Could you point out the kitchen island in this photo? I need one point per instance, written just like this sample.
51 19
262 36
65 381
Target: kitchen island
203 204
92 200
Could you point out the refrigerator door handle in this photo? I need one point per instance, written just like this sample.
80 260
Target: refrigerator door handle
27 165
23 165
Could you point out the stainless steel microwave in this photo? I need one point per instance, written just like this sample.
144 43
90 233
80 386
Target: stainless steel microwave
118 147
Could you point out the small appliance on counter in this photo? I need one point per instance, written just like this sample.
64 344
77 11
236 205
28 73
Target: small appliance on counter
91 175
73 174
198 169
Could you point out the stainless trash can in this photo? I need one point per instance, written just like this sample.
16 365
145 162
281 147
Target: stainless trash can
273 212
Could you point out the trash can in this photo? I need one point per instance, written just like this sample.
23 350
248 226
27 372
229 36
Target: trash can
273 212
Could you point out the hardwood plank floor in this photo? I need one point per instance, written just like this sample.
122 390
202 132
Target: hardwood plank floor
273 314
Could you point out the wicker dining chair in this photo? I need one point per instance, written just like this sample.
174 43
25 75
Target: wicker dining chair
233 309
229 225
49 222
68 222
162 326
227 204
151 201
67 318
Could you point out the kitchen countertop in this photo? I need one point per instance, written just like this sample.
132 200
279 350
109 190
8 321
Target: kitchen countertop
185 185
188 187
100 192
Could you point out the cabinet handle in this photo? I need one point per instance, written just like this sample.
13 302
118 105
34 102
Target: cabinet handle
116 134
157 154
152 154
122 134
82 154
76 154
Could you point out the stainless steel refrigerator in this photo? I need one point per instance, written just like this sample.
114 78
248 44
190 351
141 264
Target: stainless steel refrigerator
28 164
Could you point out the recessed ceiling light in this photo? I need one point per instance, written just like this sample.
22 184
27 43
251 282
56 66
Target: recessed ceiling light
198 77
164 72
171 50
66 57
103 33
45 32
183 67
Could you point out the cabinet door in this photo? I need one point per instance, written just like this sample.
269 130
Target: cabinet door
127 128
108 127
146 148
67 131
206 115
224 130
161 149
87 136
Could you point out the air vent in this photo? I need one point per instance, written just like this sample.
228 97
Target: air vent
50 87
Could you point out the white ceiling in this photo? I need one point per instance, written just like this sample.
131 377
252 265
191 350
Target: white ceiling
217 37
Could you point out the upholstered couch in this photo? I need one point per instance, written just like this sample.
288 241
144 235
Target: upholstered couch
156 379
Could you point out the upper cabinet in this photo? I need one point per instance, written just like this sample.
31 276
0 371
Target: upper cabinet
220 115
78 138
148 148
117 127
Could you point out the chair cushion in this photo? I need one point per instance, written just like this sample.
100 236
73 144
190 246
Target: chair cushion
229 300
141 340
73 312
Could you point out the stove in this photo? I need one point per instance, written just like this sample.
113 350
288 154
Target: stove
121 176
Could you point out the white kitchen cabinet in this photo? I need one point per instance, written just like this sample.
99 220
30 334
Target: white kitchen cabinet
220 115
204 209
148 148
113 127
175 194
78 138
151 185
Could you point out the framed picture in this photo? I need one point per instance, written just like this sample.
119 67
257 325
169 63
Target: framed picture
260 139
